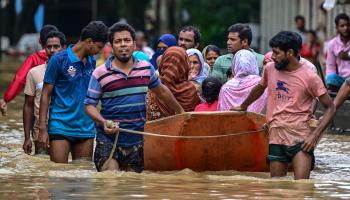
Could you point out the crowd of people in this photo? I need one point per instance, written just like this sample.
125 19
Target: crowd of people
63 88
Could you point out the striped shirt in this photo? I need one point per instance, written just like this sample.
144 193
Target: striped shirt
123 97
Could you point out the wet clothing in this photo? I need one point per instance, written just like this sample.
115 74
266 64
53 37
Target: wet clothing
123 97
33 87
285 154
127 157
72 140
17 84
290 104
70 78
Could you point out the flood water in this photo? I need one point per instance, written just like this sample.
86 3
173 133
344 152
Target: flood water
35 177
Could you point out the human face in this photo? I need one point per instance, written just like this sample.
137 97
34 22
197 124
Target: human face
343 28
211 57
300 24
139 41
280 58
234 43
310 37
186 40
94 47
123 46
52 46
195 66
162 46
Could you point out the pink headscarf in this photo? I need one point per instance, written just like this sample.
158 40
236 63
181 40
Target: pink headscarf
246 75
267 58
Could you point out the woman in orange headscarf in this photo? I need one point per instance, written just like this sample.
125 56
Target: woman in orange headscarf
173 73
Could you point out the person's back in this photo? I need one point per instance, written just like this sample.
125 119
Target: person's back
210 91
173 73
245 77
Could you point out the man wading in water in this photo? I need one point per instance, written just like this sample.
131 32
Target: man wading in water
292 88
54 42
66 80
121 84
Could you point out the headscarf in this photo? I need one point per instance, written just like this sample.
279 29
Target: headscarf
246 76
244 64
173 73
204 51
139 55
167 39
202 72
268 57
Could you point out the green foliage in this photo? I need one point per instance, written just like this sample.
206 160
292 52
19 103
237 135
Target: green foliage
213 17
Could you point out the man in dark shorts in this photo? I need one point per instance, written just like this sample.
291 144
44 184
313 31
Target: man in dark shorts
66 81
121 84
293 88
54 42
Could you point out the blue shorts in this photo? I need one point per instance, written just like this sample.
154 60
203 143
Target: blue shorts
334 80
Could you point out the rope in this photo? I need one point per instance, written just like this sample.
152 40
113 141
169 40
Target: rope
172 136
112 152
188 136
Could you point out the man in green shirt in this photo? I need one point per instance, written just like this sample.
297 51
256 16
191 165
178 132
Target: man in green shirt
239 37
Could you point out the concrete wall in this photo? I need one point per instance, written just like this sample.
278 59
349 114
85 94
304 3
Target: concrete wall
277 15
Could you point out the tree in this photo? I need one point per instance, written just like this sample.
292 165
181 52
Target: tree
213 25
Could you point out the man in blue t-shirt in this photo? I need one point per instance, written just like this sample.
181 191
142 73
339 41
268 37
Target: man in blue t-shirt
66 81
121 85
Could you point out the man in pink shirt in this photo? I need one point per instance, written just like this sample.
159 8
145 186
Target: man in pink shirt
338 54
292 88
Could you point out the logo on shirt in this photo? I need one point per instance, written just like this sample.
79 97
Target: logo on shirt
282 92
280 86
71 71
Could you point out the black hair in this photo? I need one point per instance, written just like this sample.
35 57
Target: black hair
212 48
342 16
299 42
57 34
96 30
229 72
119 27
44 31
211 88
313 33
299 17
195 30
286 40
243 30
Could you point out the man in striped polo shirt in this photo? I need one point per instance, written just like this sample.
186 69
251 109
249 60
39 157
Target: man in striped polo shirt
121 85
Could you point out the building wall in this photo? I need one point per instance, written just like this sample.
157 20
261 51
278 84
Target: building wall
277 15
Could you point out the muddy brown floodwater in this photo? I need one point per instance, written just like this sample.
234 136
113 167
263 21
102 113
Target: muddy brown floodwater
35 177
